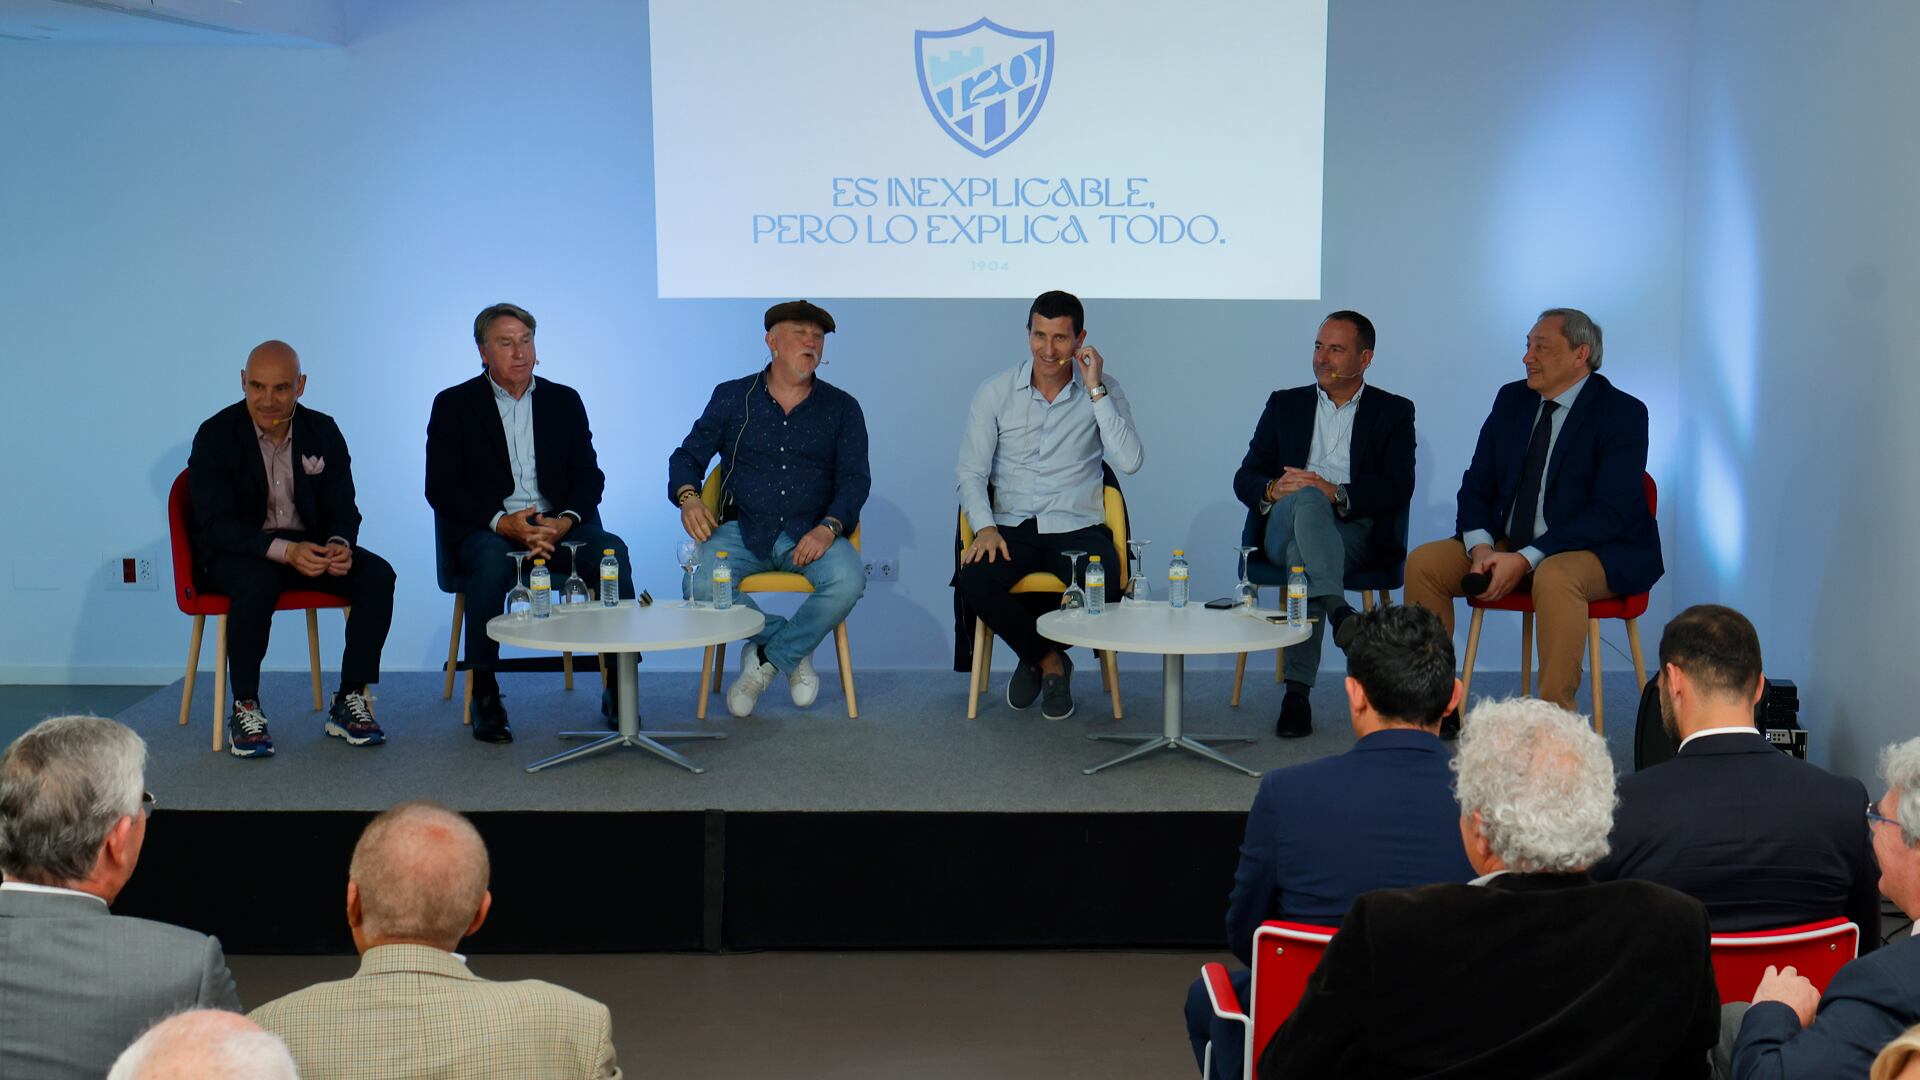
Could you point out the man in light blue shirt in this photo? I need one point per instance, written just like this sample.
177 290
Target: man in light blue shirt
1030 483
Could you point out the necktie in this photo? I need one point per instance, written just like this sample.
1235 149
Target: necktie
1532 471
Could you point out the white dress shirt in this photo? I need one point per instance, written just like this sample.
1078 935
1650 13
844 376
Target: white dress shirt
516 416
1043 457
1704 732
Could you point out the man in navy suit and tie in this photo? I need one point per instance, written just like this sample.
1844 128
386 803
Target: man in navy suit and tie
1553 503
1379 816
1328 471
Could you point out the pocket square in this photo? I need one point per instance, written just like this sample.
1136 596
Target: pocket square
312 464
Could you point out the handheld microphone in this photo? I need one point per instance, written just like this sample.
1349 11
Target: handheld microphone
1474 584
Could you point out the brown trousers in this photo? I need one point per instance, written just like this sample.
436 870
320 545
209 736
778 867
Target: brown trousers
1561 587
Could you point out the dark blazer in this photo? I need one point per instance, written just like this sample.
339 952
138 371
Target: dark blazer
1379 816
1596 498
1869 1002
80 983
1763 839
469 474
1381 456
1532 975
227 481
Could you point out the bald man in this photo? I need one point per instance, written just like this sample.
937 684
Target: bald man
205 1044
417 885
273 509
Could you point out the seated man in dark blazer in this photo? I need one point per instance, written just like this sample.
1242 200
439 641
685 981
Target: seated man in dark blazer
78 982
511 467
1379 816
1531 969
1763 839
1792 1030
273 509
1554 502
1327 472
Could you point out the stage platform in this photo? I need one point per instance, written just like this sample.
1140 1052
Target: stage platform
908 827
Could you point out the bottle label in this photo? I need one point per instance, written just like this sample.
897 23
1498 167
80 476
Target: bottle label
1178 573
722 574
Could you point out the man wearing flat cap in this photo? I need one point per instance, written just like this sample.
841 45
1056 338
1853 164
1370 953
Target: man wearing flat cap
793 477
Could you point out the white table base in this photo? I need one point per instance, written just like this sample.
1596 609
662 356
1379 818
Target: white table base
1170 737
628 665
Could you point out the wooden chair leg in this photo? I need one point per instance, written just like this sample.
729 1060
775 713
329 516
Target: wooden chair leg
1110 664
1366 599
1100 658
313 655
466 700
219 681
1526 653
601 660
566 667
1593 654
706 678
453 643
193 667
846 669
1466 669
719 666
982 666
1279 666
1239 672
1639 660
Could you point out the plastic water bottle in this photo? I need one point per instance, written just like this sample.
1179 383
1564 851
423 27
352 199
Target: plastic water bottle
542 589
1177 579
1297 598
609 579
1096 586
722 582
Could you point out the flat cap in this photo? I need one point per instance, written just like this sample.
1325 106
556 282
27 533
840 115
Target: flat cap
799 311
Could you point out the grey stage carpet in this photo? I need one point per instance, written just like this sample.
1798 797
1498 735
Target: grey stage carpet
912 749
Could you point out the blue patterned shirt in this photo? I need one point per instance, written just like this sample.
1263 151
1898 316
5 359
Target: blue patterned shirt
783 472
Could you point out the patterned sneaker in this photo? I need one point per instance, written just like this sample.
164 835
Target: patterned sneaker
755 676
351 719
247 731
803 682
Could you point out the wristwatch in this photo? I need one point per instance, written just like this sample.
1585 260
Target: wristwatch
1095 393
833 526
1340 501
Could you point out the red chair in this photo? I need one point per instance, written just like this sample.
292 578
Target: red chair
200 604
1284 954
1816 950
1629 608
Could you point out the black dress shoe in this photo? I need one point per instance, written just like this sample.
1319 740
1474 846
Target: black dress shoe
1475 584
1296 717
1345 626
1450 726
490 719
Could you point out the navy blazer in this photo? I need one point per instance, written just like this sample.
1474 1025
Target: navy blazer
1381 458
1596 495
227 483
1869 1002
469 474
1763 839
1320 833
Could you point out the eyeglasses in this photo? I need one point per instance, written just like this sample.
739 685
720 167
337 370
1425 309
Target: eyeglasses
1875 817
147 802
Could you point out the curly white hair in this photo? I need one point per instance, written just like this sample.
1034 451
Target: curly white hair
1542 782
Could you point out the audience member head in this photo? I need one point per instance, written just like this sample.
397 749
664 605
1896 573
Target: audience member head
272 382
1400 670
72 791
1896 826
504 334
1562 348
1899 1059
1535 787
419 877
205 1044
1710 672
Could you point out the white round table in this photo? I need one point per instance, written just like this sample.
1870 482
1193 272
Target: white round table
1156 626
626 631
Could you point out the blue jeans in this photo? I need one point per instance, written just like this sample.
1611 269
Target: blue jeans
1303 530
838 577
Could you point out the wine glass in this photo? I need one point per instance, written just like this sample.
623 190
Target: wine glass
1137 590
574 594
687 553
1074 600
1246 595
519 598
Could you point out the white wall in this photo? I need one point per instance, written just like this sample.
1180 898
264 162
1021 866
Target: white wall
163 209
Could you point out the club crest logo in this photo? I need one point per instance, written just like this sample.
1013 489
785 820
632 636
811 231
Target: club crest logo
984 83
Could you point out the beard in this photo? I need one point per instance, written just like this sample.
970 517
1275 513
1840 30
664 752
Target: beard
1666 711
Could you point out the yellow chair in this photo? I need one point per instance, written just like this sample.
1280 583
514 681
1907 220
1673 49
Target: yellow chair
1042 582
713 664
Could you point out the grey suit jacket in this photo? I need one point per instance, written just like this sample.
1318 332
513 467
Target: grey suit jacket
77 983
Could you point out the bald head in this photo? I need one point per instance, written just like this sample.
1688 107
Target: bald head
273 382
420 875
205 1044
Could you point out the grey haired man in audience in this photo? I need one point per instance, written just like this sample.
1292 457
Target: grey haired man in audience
205 1044
79 982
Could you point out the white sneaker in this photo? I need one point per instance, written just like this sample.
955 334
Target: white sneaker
804 682
755 676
